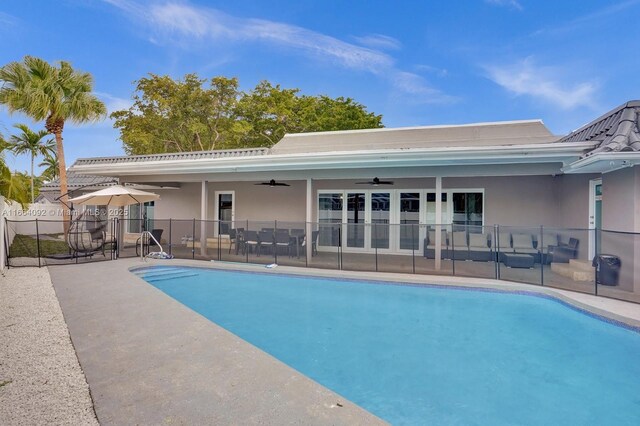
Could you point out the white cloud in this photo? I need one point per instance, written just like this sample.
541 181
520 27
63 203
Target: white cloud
7 20
114 103
513 4
415 85
525 78
597 17
379 41
185 25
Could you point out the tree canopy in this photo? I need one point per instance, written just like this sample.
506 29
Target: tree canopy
194 114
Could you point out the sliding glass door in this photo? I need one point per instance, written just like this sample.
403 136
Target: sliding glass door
380 219
390 220
409 219
355 219
329 219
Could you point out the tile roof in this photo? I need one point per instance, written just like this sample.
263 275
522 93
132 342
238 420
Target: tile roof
76 180
617 130
196 155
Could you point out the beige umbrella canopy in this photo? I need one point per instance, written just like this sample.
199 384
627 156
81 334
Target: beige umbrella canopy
116 195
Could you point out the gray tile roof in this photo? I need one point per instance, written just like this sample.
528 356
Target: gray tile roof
617 130
196 155
76 180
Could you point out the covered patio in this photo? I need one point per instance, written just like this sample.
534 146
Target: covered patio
490 200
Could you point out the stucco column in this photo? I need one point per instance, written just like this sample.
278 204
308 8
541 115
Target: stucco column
309 218
204 202
438 255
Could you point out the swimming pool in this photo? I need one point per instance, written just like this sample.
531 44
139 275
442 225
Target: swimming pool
427 354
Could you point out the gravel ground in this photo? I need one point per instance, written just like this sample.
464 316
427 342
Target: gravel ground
41 381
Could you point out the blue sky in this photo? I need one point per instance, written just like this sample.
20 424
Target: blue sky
415 62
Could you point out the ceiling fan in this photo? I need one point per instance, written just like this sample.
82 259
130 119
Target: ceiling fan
272 183
375 182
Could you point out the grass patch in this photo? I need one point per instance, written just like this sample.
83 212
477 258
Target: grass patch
6 382
27 246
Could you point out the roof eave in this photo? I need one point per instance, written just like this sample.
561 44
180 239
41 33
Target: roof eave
530 153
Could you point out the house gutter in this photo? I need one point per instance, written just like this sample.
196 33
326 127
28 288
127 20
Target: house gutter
603 162
408 157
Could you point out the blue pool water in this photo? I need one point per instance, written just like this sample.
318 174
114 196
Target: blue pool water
416 355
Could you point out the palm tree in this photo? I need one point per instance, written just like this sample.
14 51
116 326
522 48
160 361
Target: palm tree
55 94
50 164
13 186
33 144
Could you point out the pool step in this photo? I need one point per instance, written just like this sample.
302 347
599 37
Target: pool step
168 277
161 274
154 273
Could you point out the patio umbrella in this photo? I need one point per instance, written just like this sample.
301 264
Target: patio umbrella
116 195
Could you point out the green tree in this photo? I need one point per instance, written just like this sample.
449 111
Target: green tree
196 114
14 186
33 144
53 93
169 115
50 164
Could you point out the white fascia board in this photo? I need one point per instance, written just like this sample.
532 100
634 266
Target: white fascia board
530 153
603 162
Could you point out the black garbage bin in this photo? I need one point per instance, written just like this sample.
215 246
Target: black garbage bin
607 269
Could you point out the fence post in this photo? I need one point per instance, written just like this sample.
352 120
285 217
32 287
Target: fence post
6 242
273 239
340 247
595 281
246 246
170 240
193 239
375 235
496 234
217 226
541 251
38 243
413 247
453 253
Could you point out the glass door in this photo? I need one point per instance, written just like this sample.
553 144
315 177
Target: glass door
409 220
148 215
355 219
329 219
134 221
380 219
225 213
431 209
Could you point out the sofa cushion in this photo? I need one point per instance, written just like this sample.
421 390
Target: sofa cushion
522 241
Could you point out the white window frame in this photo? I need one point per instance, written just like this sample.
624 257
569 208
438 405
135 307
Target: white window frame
593 183
394 215
216 208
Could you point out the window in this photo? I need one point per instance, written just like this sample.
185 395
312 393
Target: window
467 208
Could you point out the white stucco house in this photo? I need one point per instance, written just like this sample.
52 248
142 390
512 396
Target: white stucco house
468 178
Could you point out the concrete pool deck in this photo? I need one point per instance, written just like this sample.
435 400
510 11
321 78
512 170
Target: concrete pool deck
149 359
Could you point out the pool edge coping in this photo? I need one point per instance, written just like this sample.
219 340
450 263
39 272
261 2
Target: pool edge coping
461 283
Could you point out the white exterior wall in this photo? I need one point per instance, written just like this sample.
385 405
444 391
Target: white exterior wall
621 212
